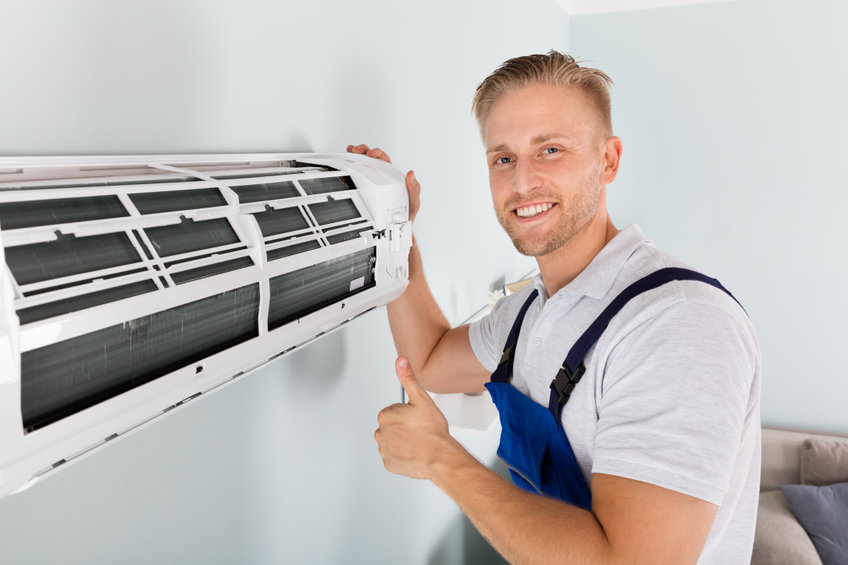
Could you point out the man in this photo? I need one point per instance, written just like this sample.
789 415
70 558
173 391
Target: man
645 447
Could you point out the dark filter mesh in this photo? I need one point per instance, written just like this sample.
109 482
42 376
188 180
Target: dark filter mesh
307 290
331 184
190 236
284 220
177 200
65 377
265 191
69 256
16 215
334 211
292 249
339 237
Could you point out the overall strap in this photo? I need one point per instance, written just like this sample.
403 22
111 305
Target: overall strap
567 378
503 374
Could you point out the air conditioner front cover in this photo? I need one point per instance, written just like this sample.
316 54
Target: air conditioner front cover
131 285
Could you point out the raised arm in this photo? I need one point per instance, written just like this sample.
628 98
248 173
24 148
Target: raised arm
631 522
440 355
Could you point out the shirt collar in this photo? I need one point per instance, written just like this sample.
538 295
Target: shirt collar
596 280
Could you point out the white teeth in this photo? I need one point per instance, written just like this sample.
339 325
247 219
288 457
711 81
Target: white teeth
529 211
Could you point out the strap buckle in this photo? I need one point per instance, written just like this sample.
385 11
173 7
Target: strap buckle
507 354
566 380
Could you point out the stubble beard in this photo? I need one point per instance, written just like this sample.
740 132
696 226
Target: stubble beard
574 215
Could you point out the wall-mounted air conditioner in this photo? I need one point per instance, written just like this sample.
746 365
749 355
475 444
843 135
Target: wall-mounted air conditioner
131 285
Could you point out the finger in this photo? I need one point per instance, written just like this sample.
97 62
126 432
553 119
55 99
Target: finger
378 153
412 184
361 148
414 391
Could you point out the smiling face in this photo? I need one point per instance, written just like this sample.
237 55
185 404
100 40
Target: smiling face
548 155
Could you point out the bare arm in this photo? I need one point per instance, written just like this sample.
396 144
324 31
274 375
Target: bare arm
631 522
441 355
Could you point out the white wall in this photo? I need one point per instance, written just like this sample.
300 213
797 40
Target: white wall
733 120
280 467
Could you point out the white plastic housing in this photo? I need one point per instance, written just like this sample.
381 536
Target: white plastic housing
144 202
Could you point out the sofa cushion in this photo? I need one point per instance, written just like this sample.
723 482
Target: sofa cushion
779 538
824 461
823 512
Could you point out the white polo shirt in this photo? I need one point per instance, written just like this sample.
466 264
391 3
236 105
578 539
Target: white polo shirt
671 393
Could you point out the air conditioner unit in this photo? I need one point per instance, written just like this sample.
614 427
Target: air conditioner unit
132 285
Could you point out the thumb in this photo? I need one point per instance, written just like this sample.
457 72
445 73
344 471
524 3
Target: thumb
414 391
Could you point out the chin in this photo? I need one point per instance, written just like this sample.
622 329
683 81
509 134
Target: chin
536 248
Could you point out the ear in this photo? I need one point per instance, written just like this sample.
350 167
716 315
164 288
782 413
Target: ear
612 156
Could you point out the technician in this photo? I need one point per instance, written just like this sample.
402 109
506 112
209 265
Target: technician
627 383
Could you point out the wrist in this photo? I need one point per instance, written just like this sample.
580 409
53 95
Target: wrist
454 462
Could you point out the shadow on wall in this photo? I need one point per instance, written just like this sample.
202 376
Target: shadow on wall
321 364
461 538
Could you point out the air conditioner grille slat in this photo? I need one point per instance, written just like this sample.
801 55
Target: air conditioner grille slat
170 201
51 309
96 182
63 378
29 292
69 256
307 290
16 215
189 236
211 270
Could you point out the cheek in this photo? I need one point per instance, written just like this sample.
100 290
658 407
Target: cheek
500 185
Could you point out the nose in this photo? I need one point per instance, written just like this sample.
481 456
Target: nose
526 176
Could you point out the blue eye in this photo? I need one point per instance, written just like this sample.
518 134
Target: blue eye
503 160
550 150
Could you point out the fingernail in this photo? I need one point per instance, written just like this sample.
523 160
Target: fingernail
404 362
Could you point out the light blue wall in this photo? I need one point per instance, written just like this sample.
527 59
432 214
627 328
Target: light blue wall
281 466
733 117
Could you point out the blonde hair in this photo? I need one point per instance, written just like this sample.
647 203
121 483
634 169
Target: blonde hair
553 68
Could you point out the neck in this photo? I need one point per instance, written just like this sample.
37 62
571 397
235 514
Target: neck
559 268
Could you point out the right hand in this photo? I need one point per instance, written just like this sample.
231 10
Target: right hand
413 188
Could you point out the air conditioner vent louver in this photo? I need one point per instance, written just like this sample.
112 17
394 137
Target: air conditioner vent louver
83 301
130 284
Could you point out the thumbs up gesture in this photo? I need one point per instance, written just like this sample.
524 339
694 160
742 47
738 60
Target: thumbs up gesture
413 437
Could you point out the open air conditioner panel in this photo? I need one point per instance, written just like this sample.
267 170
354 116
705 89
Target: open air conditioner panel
122 276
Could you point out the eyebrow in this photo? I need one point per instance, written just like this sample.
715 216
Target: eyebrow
539 139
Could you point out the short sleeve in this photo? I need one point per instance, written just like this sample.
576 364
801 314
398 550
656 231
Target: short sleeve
488 334
674 400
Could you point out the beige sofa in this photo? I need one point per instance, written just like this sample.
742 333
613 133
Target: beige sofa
788 458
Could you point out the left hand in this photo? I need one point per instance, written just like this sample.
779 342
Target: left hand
413 187
413 437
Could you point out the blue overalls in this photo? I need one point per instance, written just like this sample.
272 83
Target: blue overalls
533 443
